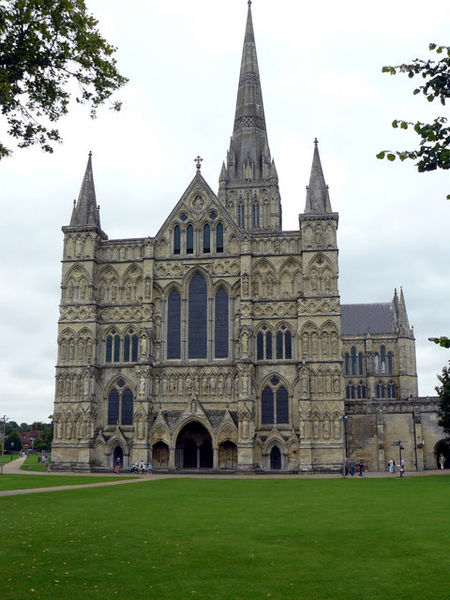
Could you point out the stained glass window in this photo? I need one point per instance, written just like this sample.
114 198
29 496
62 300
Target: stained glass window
176 240
127 407
221 324
113 407
267 412
173 325
134 347
116 348
189 240
219 237
206 239
126 348
197 317
282 405
109 348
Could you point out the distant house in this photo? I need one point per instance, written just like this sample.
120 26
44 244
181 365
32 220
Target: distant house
27 437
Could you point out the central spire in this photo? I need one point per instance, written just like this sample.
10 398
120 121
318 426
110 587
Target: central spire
249 140
248 181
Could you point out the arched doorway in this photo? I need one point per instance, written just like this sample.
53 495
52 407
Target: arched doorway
442 447
118 455
227 455
275 459
194 448
160 455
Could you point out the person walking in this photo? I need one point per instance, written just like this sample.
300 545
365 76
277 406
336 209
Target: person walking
117 465
352 467
391 465
149 468
361 468
441 461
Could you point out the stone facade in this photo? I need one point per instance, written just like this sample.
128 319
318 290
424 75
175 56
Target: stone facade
220 343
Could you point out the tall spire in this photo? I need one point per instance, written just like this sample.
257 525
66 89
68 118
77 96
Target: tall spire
402 314
249 141
85 212
249 180
317 197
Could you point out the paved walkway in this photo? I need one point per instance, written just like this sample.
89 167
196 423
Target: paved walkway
14 468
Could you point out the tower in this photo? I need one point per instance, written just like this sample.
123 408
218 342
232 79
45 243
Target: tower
248 182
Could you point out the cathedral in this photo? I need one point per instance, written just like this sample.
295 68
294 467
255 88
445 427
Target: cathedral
220 344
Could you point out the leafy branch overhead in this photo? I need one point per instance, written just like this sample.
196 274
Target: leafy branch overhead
45 47
434 145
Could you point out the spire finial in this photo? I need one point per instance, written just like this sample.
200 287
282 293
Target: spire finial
249 3
90 153
198 161
316 141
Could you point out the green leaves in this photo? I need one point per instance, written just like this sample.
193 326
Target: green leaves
434 143
44 45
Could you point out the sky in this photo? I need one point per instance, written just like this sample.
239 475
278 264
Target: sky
320 66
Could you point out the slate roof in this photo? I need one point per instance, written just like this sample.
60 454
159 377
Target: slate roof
360 318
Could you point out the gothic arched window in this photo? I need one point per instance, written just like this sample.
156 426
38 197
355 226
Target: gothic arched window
117 348
221 324
197 338
206 239
219 237
282 405
120 405
255 215
241 215
264 344
390 363
383 359
274 403
108 357
381 390
189 239
176 240
284 343
361 390
267 412
127 407
113 407
391 390
353 355
347 363
376 363
174 325
361 363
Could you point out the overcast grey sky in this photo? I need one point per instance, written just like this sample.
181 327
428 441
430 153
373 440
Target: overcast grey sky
320 65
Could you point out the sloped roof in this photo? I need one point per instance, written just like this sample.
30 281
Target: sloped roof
360 318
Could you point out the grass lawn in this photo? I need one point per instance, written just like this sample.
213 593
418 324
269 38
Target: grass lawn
32 464
26 482
8 458
369 539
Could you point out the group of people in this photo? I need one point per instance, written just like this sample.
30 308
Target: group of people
135 468
391 466
352 466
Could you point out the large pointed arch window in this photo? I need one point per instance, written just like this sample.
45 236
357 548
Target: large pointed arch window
221 324
174 325
120 404
274 403
176 240
197 337
255 215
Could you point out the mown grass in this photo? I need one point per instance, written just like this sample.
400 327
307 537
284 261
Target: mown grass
366 539
7 458
33 464
26 482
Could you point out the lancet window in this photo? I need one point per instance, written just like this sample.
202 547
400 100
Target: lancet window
120 404
120 349
274 403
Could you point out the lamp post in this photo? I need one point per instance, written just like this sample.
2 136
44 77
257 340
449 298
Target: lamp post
400 443
4 440
344 418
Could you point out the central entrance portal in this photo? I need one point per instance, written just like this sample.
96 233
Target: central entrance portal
194 448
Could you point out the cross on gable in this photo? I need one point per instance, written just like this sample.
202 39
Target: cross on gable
198 161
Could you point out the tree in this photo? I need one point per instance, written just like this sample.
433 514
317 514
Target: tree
45 47
444 405
434 145
13 442
442 341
